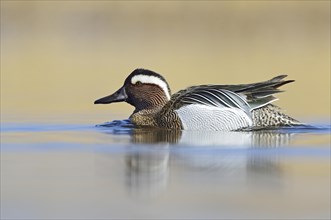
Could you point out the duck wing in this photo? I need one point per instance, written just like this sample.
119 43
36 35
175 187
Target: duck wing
243 96
209 96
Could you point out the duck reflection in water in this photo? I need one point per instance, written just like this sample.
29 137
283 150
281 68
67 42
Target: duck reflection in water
250 157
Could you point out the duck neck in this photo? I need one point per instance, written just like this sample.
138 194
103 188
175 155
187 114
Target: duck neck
146 115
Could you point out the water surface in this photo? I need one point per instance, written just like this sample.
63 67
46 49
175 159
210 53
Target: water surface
114 170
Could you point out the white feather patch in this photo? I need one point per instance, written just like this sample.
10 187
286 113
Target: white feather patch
202 117
152 80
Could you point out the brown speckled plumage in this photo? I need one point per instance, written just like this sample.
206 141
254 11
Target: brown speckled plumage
271 116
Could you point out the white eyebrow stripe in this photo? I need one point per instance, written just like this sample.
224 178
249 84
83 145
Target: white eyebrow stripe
152 80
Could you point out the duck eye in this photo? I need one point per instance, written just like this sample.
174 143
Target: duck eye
138 83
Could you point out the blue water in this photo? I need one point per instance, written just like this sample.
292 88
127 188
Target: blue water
114 170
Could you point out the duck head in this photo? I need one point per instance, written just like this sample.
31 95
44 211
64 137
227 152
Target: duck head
144 89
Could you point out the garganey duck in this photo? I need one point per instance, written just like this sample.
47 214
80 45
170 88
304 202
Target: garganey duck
204 107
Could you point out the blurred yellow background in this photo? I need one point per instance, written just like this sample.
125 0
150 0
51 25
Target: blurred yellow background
57 57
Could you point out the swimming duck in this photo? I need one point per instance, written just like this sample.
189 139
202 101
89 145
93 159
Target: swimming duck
203 107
